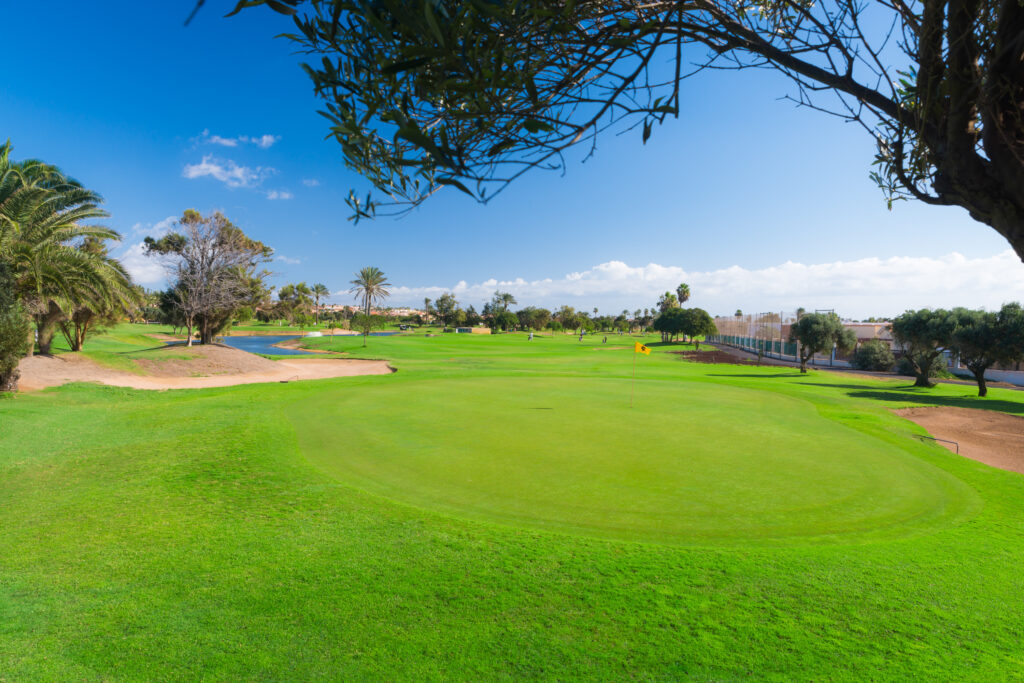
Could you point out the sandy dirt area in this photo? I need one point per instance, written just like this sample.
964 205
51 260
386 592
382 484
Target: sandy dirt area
205 366
715 356
996 439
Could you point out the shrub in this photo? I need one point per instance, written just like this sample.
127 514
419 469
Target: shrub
14 330
873 355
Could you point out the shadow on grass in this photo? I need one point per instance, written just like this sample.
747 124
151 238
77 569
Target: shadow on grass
859 387
904 393
677 344
764 376
946 401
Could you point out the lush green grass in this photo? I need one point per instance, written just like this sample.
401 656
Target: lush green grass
704 464
789 526
120 347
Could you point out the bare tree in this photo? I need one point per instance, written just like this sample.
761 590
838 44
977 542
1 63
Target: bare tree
213 263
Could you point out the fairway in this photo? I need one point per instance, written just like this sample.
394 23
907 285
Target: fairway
689 463
495 509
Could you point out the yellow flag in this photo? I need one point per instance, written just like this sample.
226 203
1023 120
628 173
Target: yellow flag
640 348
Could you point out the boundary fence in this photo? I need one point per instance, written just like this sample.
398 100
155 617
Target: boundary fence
768 334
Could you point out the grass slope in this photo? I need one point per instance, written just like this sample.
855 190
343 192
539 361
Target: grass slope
216 534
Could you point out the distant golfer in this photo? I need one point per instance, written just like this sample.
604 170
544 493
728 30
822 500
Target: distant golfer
531 336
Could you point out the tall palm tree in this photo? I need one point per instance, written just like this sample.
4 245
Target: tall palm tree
319 292
370 287
683 293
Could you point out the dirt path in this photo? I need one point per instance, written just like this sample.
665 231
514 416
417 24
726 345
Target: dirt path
996 439
212 367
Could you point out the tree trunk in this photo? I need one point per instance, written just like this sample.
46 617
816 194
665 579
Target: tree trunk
979 376
45 340
188 330
81 330
922 369
9 380
47 326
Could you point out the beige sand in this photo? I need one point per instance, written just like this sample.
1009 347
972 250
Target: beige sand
996 439
207 366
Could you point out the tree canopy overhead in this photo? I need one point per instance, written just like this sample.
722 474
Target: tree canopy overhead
421 94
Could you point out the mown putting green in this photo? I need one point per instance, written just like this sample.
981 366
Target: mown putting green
689 463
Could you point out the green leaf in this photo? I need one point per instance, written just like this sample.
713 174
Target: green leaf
405 65
500 147
428 13
446 180
535 126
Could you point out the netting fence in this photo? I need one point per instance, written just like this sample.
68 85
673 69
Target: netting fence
768 334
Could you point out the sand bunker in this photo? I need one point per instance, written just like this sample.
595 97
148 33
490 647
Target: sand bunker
996 439
198 367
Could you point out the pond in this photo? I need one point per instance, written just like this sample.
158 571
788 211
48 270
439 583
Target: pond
264 343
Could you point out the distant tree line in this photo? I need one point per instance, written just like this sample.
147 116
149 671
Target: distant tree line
666 317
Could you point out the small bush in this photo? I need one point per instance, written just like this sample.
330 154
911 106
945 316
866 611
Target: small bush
873 355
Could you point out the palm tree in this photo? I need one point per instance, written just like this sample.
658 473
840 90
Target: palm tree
104 295
43 239
319 292
293 302
370 287
683 293
501 301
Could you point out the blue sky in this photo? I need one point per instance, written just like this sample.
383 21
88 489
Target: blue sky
120 94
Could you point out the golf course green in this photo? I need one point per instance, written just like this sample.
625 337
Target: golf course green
685 464
496 509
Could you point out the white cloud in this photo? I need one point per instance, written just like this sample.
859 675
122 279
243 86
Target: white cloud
158 229
145 270
290 261
226 142
227 171
311 182
861 288
282 194
261 141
